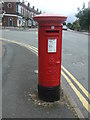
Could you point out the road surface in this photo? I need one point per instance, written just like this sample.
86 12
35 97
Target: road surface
74 62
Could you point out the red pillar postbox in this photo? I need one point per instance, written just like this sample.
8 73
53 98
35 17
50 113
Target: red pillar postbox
49 56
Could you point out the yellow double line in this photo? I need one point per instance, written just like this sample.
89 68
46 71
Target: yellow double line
79 95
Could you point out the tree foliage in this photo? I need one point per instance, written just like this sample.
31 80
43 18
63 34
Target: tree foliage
82 16
74 26
89 19
83 19
69 25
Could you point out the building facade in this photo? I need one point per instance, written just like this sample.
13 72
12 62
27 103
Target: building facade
17 14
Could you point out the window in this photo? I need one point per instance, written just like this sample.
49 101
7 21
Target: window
9 5
17 8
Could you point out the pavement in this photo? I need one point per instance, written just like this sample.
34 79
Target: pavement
2 51
1 79
31 29
19 88
85 33
19 28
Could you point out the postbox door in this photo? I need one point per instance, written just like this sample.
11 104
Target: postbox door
49 57
53 62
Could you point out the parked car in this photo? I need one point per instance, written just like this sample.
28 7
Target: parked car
64 27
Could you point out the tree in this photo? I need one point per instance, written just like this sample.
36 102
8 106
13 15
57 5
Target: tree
82 16
89 19
69 25
76 25
83 6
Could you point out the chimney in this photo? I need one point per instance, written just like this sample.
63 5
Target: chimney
28 4
33 7
37 9
23 1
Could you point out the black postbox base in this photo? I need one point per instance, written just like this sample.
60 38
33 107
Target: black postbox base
49 94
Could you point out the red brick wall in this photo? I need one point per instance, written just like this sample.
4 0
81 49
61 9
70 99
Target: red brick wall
5 21
10 7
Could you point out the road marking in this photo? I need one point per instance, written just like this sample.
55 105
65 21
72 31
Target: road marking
32 48
76 81
80 96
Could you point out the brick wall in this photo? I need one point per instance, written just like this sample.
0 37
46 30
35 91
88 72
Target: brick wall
5 21
10 7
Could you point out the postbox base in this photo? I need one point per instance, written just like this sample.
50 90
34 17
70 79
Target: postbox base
49 94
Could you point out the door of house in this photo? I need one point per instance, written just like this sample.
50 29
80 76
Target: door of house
10 22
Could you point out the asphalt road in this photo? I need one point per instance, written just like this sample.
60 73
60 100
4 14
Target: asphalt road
20 85
74 57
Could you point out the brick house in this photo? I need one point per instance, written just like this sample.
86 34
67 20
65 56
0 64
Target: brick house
16 14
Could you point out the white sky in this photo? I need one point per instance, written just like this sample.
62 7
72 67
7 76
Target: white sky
63 7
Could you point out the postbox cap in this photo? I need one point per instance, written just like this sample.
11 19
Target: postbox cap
49 18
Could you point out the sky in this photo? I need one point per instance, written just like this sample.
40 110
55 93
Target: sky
63 7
